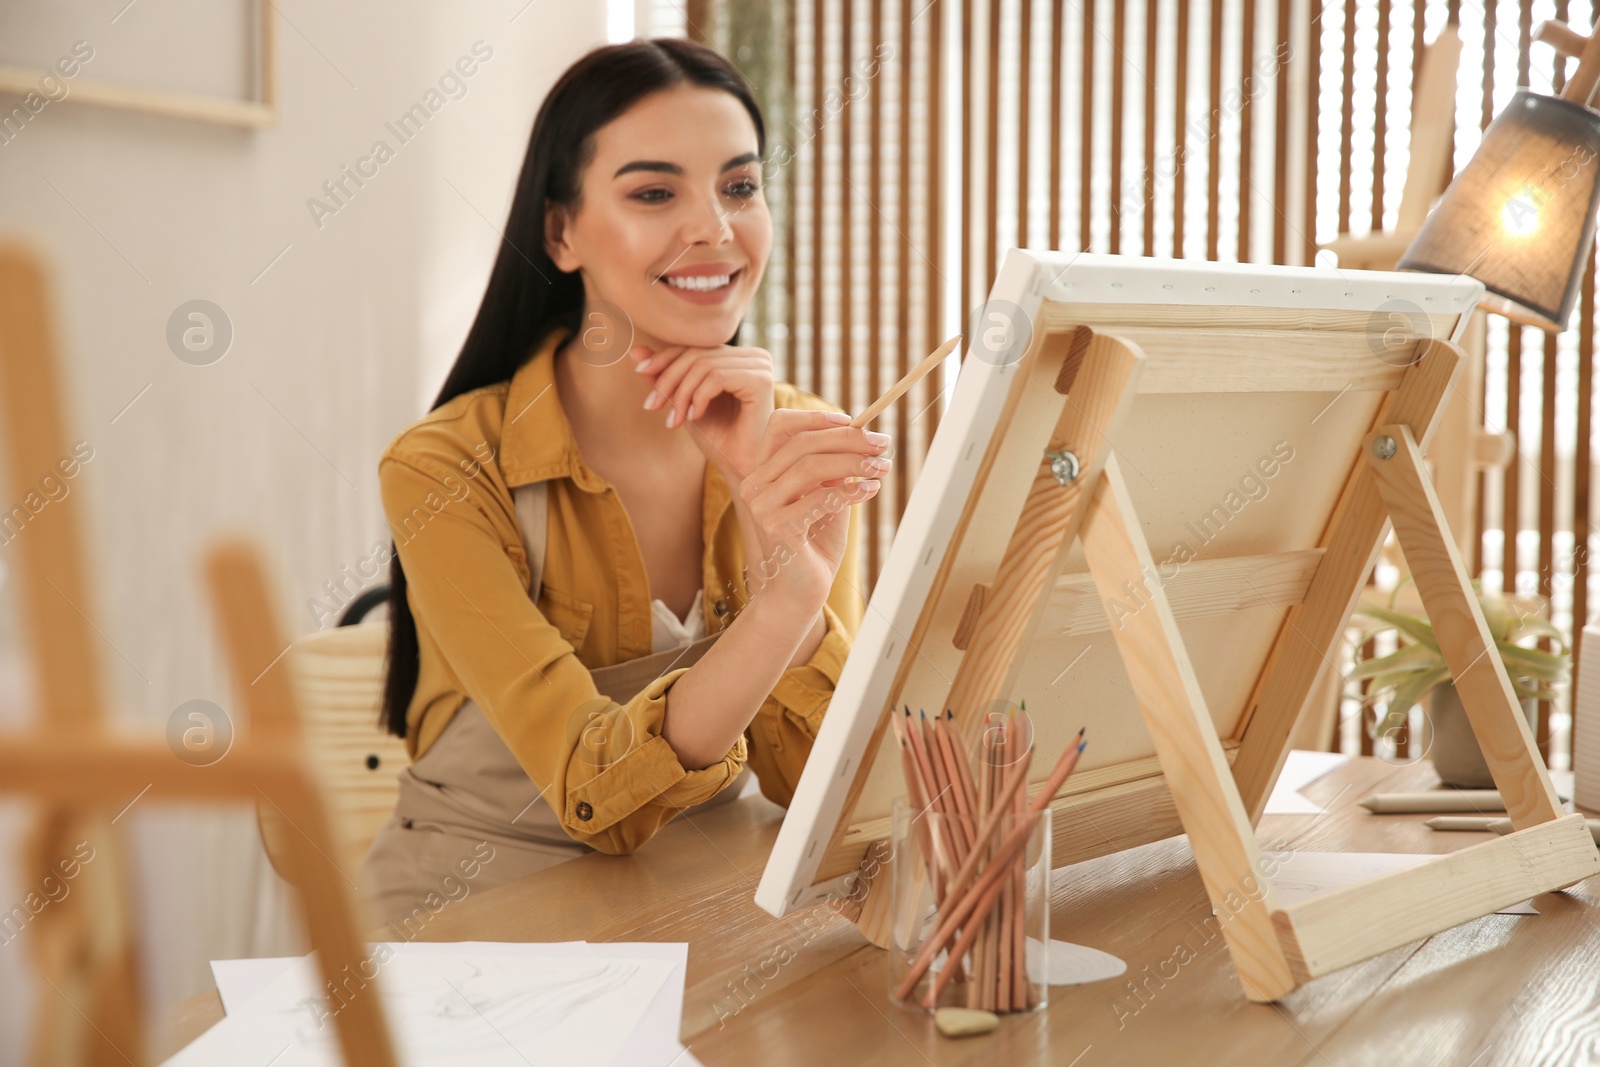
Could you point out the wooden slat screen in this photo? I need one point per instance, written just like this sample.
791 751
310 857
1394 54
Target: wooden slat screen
1223 129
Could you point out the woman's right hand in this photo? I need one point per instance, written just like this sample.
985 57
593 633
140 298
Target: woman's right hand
797 494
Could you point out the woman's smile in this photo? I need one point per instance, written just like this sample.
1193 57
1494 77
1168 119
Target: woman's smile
705 283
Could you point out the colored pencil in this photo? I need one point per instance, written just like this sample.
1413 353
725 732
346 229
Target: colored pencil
964 896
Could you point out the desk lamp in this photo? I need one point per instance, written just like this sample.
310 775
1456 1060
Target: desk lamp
1520 217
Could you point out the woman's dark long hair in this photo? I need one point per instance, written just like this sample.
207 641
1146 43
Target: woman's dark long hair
527 297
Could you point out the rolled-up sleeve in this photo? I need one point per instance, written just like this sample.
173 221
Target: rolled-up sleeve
785 727
608 774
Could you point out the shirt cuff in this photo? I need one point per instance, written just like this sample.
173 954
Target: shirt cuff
650 771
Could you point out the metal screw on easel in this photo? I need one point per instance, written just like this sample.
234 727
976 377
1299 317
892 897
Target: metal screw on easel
1063 464
1383 447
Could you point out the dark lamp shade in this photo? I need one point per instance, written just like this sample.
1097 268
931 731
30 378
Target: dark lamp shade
1520 216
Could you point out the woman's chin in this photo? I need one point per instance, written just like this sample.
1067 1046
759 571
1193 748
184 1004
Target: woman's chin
709 334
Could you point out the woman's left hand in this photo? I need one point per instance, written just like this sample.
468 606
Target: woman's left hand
724 394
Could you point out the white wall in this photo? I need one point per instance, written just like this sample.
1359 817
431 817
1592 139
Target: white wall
336 345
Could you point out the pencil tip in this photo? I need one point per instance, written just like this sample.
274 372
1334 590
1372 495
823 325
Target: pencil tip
1081 730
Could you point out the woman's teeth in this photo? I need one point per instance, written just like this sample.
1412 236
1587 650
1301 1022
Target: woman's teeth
710 281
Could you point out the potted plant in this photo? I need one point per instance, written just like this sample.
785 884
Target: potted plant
1400 679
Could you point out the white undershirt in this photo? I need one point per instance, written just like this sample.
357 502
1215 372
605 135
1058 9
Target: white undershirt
669 631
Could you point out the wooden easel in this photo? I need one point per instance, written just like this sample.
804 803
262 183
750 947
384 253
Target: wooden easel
84 944
1052 465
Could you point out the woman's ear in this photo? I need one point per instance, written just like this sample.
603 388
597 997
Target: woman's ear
556 243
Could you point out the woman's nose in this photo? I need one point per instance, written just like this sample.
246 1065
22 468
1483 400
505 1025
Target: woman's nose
707 224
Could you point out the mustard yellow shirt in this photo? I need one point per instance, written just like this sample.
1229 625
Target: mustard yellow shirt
446 484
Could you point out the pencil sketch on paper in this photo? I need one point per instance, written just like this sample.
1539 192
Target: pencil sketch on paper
477 1010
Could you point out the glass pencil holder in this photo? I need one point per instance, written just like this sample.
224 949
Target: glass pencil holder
989 930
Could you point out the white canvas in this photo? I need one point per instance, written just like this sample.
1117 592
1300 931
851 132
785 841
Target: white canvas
1227 652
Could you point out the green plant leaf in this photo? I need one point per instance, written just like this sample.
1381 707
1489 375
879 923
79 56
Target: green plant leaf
1533 626
1533 662
1412 657
1407 694
1417 629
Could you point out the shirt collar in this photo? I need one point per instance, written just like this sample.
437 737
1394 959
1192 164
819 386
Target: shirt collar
537 442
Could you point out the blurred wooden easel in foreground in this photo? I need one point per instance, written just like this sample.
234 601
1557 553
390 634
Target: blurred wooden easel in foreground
85 778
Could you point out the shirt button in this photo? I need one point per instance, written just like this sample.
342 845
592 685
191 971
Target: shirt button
720 607
585 812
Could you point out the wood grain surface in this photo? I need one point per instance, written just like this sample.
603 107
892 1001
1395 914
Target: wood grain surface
808 989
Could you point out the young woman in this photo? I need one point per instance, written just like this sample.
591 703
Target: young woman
626 563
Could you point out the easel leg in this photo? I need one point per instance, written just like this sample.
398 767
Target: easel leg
1480 675
1185 740
1311 632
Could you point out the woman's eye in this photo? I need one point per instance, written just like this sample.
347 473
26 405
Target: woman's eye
652 196
743 190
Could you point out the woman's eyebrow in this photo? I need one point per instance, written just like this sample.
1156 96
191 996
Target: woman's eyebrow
673 168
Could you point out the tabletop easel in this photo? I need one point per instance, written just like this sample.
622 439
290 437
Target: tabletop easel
1102 381
85 778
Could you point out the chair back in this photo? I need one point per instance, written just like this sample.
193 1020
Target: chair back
338 677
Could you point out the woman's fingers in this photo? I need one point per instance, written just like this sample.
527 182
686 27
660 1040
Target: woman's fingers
683 383
651 361
786 424
810 471
821 505
836 438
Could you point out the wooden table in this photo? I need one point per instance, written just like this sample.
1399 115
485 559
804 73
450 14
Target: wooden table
808 989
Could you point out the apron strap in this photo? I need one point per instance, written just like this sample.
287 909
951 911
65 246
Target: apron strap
532 504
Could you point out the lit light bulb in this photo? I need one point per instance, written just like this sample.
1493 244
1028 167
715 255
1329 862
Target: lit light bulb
1520 216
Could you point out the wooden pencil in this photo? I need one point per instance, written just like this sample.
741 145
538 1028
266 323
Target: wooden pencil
918 803
975 967
943 744
1020 987
949 791
970 898
963 765
984 906
933 800
986 971
1005 915
976 902
912 377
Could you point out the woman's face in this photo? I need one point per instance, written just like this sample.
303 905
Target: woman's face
672 226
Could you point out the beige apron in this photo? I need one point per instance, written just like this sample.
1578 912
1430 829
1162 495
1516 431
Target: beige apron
468 816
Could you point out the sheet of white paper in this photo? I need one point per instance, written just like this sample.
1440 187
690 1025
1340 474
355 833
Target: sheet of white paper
1300 875
654 1040
480 1010
239 980
1301 769
1063 963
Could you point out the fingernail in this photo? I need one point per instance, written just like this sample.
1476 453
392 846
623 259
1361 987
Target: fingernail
672 418
879 439
870 486
650 401
837 417
879 463
642 366
689 414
